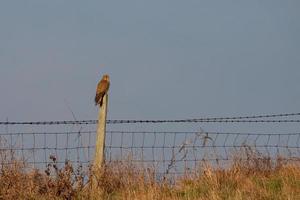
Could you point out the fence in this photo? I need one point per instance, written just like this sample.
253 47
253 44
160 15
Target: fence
149 143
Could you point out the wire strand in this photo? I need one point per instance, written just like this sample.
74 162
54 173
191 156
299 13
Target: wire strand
240 119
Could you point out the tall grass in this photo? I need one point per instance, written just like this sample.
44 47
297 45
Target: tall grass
256 177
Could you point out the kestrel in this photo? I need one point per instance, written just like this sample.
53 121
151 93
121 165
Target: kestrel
102 89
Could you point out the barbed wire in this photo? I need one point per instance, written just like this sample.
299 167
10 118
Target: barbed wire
240 119
201 121
64 122
170 152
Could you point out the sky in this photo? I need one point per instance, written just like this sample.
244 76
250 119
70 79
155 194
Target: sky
166 59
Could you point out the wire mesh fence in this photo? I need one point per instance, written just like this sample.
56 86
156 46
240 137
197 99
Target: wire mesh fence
182 152
36 147
167 152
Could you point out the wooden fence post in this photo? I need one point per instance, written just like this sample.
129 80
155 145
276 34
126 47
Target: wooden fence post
100 137
99 158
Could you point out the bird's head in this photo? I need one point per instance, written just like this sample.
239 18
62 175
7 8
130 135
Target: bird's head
106 77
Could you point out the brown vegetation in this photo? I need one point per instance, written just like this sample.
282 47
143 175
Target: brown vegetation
256 177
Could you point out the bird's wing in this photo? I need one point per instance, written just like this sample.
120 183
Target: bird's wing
102 86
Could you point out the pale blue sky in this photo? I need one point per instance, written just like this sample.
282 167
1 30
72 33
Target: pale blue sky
167 59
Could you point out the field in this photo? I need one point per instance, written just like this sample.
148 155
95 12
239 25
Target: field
256 177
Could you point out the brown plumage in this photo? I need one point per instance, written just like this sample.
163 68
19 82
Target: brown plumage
102 89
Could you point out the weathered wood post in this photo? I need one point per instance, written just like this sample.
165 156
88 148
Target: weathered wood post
100 140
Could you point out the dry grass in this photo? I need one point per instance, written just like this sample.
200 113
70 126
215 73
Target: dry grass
255 178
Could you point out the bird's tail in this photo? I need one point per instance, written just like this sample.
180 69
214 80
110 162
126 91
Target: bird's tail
101 101
97 97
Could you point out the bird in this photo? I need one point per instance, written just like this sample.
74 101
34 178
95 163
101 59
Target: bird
102 89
